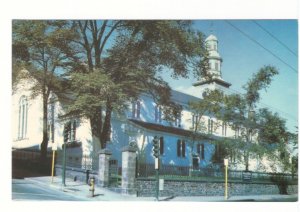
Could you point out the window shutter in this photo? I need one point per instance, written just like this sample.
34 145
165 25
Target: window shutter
202 151
133 110
178 148
198 148
208 126
156 114
183 148
161 145
138 109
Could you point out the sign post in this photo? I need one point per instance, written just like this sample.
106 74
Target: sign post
157 177
54 148
226 187
156 152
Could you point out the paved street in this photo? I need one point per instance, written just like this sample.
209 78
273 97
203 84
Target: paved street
26 190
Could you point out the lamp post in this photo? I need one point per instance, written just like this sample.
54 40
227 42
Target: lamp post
226 187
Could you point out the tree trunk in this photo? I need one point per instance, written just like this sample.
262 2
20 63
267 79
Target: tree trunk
96 125
44 143
106 125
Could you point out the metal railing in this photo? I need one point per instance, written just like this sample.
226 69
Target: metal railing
148 171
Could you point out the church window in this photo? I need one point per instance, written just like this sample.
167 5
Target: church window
210 126
224 128
195 121
157 114
136 109
200 151
177 122
216 67
181 148
71 130
23 113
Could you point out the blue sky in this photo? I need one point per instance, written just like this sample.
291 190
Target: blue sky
242 58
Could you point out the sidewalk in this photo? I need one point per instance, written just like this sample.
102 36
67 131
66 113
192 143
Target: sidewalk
81 190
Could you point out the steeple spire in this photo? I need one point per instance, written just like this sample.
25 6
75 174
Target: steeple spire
214 69
214 57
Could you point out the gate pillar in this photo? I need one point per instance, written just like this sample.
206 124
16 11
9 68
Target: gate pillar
103 172
128 170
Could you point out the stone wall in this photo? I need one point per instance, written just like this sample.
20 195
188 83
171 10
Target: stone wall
146 187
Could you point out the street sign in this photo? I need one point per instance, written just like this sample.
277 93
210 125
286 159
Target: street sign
161 184
156 163
226 162
54 146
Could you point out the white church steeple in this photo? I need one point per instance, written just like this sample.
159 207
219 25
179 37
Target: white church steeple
215 80
214 57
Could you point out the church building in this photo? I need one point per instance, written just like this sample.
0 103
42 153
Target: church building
142 122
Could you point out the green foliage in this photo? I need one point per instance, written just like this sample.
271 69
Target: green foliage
261 80
271 127
120 60
211 104
43 49
261 133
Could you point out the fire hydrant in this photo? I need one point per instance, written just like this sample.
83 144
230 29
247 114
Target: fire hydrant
92 186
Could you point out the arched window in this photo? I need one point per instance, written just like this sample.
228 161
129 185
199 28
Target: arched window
23 112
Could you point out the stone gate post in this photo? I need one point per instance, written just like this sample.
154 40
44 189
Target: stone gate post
103 173
128 170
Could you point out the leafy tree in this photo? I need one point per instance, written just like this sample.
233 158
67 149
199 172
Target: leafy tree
239 111
119 60
257 130
42 48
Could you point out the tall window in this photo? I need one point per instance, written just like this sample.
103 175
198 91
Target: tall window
200 151
23 112
216 67
158 114
195 121
161 145
177 122
224 128
72 130
215 47
237 132
210 126
181 148
136 109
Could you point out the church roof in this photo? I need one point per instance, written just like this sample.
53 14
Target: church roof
211 37
189 134
219 81
183 98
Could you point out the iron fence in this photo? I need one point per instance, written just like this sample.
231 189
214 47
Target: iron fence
167 171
